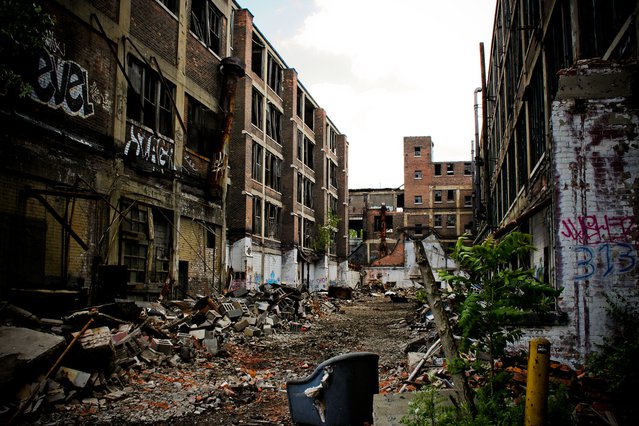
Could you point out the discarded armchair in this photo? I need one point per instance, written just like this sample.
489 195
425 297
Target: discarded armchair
339 392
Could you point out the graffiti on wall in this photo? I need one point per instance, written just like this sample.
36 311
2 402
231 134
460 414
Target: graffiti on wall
60 83
607 245
588 230
150 148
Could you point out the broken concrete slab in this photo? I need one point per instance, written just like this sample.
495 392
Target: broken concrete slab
77 378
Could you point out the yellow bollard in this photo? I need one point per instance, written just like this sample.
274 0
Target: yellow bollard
537 382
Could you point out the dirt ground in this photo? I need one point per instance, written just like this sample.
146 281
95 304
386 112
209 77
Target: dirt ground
245 384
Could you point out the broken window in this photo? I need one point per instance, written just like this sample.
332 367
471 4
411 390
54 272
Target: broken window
536 114
522 152
206 24
274 75
273 172
438 169
202 127
418 199
256 166
300 102
300 144
450 196
600 23
418 151
450 220
309 110
468 201
418 174
145 231
257 57
308 193
332 139
148 100
467 169
257 108
257 216
333 205
377 223
333 173
272 223
300 188
418 229
558 44
171 5
273 122
438 196
308 152
437 221
450 169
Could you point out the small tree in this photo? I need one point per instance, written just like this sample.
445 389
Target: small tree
497 292
23 26
326 234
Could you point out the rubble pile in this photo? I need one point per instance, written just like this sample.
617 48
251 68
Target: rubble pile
156 358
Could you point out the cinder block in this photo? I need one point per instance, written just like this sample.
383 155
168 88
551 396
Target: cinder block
241 324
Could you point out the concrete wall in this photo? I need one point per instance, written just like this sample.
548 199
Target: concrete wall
595 131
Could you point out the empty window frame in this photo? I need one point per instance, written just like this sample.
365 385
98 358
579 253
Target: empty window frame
272 226
418 229
257 162
333 205
273 171
148 100
300 144
600 23
308 193
450 169
332 169
300 103
437 196
417 151
332 139
418 174
418 199
206 24
468 201
438 169
300 188
437 221
522 152
450 195
257 108
257 57
202 127
257 216
468 170
309 146
451 220
377 223
171 5
273 122
309 111
536 116
274 75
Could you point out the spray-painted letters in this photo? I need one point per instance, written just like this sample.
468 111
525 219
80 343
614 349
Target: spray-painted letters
604 260
62 84
588 230
150 148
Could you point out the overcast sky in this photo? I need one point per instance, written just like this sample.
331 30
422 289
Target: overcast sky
383 70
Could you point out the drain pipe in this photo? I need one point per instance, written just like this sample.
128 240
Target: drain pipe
477 159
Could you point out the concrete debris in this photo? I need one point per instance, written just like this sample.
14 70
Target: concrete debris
130 338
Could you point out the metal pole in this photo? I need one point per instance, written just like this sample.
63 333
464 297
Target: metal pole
537 382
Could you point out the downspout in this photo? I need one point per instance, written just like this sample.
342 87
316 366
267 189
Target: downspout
477 161
485 181
232 68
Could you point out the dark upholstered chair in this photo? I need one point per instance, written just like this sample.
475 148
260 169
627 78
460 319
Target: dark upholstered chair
339 392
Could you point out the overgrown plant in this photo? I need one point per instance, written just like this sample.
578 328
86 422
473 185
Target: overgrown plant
616 359
23 26
496 293
492 296
326 234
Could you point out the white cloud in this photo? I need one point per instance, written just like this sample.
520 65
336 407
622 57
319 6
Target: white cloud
384 70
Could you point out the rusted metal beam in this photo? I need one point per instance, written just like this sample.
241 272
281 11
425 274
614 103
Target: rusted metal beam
60 220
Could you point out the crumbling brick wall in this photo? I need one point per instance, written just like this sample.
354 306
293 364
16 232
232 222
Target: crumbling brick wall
595 129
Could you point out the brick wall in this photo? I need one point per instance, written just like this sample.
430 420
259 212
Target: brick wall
156 28
596 167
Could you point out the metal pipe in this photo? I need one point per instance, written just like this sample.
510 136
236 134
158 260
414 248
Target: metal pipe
476 159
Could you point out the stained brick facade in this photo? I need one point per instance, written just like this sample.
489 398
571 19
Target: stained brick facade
558 159
102 168
288 170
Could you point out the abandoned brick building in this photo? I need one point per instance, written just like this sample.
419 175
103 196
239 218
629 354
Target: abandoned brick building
436 198
115 170
289 174
558 156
